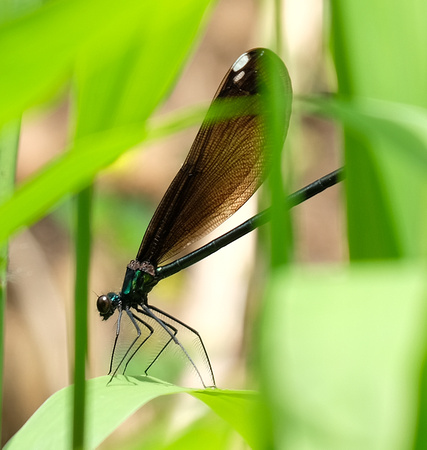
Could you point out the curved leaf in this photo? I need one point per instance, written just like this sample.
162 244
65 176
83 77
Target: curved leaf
108 405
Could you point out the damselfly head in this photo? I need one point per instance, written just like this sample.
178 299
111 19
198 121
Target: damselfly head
107 304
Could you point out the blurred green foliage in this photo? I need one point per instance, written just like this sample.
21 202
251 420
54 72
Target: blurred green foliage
343 349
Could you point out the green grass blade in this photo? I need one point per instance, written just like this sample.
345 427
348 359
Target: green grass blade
251 420
210 430
383 59
9 140
400 132
108 406
83 247
34 65
67 174
280 103
126 100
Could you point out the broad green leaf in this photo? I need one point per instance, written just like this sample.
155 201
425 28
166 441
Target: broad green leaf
244 411
210 430
379 52
341 354
30 76
126 84
398 137
379 49
40 49
109 405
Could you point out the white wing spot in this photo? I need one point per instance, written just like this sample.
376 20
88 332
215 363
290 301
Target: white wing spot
241 62
238 77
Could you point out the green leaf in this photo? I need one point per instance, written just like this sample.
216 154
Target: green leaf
119 103
383 59
76 169
244 411
67 174
125 85
214 433
40 49
9 140
397 134
109 405
341 355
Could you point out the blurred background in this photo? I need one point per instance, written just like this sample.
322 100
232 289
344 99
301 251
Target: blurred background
218 296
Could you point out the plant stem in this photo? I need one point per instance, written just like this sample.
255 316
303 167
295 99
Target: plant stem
9 140
83 238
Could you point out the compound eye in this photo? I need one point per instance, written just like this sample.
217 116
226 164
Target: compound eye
104 305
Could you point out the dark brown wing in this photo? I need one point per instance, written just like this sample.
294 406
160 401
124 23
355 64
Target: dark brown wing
226 163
